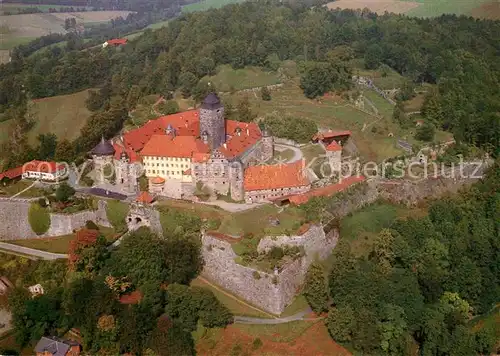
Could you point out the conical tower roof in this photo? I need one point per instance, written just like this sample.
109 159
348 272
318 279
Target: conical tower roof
104 148
211 102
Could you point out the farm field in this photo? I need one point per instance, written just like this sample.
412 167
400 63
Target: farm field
207 4
228 79
19 29
13 7
425 8
63 115
378 6
431 8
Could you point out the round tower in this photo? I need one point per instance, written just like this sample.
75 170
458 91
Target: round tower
236 173
212 121
267 146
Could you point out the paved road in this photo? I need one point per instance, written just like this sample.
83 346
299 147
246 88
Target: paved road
31 252
299 316
297 152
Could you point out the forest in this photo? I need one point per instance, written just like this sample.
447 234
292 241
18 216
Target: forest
421 283
133 299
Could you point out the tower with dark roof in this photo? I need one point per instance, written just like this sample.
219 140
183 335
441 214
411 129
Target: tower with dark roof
212 121
102 156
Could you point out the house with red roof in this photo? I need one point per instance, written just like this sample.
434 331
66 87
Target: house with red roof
115 42
50 171
268 182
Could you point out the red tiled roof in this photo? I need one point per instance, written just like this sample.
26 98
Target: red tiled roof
187 172
331 134
334 146
131 298
275 176
12 173
145 197
117 41
132 155
325 191
158 180
169 146
238 144
42 166
201 157
185 124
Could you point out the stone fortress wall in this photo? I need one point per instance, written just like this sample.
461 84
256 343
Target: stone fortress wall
269 291
14 224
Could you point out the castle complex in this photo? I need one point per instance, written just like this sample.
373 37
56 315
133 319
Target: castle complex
199 149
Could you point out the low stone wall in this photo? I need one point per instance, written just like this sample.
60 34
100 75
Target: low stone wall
15 224
272 291
285 141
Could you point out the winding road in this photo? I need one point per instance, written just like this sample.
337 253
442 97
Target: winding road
31 252
295 317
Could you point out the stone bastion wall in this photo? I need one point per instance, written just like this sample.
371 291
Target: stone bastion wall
269 291
14 224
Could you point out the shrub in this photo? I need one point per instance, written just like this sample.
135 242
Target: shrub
257 344
256 275
265 94
39 219
293 128
64 192
42 202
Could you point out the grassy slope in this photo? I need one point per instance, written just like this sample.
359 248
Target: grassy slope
431 8
63 115
331 112
11 42
59 244
238 79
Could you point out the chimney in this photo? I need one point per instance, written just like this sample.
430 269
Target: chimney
248 132
186 123
225 145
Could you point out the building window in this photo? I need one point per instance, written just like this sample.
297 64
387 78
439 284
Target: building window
154 171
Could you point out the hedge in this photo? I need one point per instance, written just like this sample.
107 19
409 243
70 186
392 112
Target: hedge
39 218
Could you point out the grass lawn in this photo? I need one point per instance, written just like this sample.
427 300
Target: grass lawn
19 186
116 212
157 25
286 154
207 4
236 306
257 222
312 151
9 42
59 244
392 80
279 332
299 304
383 106
63 115
228 79
490 319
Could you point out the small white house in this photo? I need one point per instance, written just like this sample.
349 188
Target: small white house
35 290
50 171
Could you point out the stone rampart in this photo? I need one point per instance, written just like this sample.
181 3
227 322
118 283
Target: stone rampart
14 224
269 291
